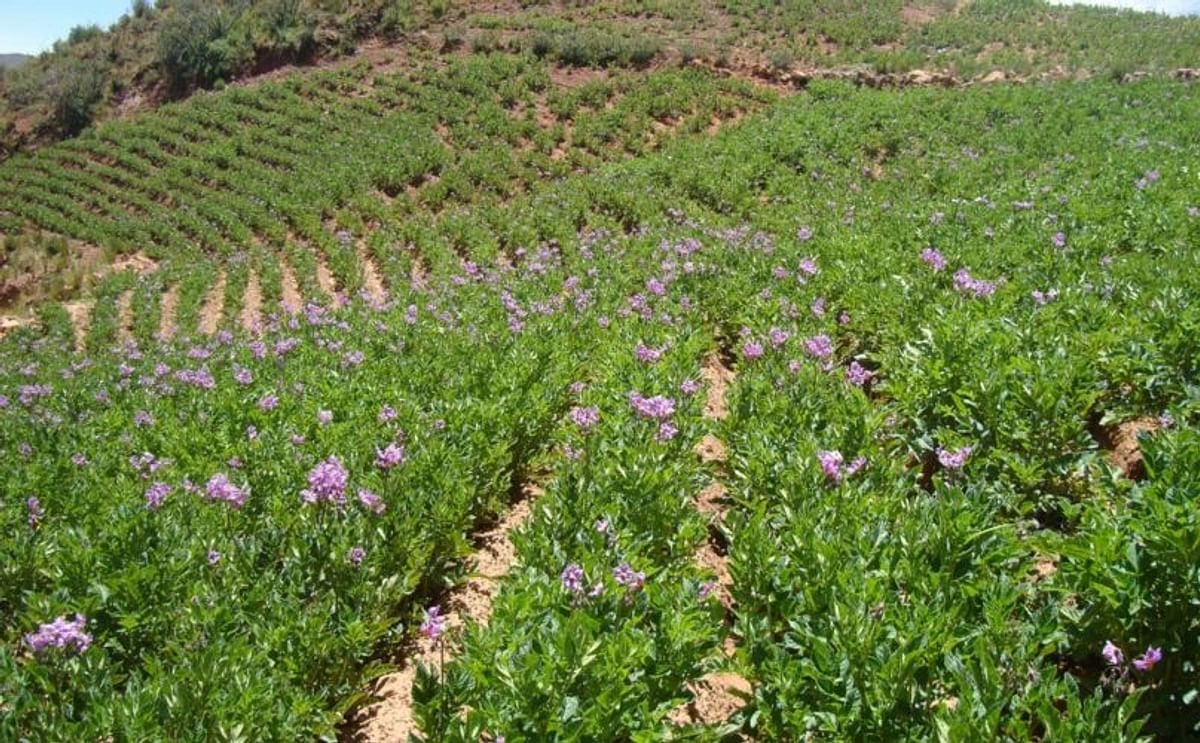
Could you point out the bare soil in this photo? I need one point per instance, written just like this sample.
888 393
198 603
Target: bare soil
81 319
372 283
167 309
214 306
718 695
252 304
125 317
290 290
391 717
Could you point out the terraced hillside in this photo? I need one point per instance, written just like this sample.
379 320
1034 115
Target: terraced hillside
483 398
296 191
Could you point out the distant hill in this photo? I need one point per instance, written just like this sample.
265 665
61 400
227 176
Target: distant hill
14 60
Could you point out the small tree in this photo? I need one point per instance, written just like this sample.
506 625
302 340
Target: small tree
74 86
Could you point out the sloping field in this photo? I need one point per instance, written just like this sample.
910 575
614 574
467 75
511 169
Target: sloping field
869 416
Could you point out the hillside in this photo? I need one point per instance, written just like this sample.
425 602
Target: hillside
625 370
163 52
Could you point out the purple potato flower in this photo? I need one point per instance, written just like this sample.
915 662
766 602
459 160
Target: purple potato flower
1112 654
953 460
220 488
934 259
626 576
371 501
572 578
156 494
434 624
658 407
389 457
62 633
818 346
585 418
858 375
1148 660
327 482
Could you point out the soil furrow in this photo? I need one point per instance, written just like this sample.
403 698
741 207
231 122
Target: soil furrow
166 320
718 695
391 718
214 306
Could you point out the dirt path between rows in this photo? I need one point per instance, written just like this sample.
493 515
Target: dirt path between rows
391 718
80 313
290 297
325 278
167 308
252 304
125 317
214 306
372 284
718 695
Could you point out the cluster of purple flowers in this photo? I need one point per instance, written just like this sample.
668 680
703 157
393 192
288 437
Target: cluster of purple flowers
1041 298
327 482
648 355
752 350
28 393
219 488
805 269
572 578
857 374
657 407
357 554
934 259
818 346
832 464
585 418
389 457
626 576
1114 656
62 633
954 460
146 464
371 501
666 432
156 494
1144 182
964 282
200 378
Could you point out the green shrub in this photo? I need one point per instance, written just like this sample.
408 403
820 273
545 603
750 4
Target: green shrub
80 34
398 17
287 27
199 44
74 88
